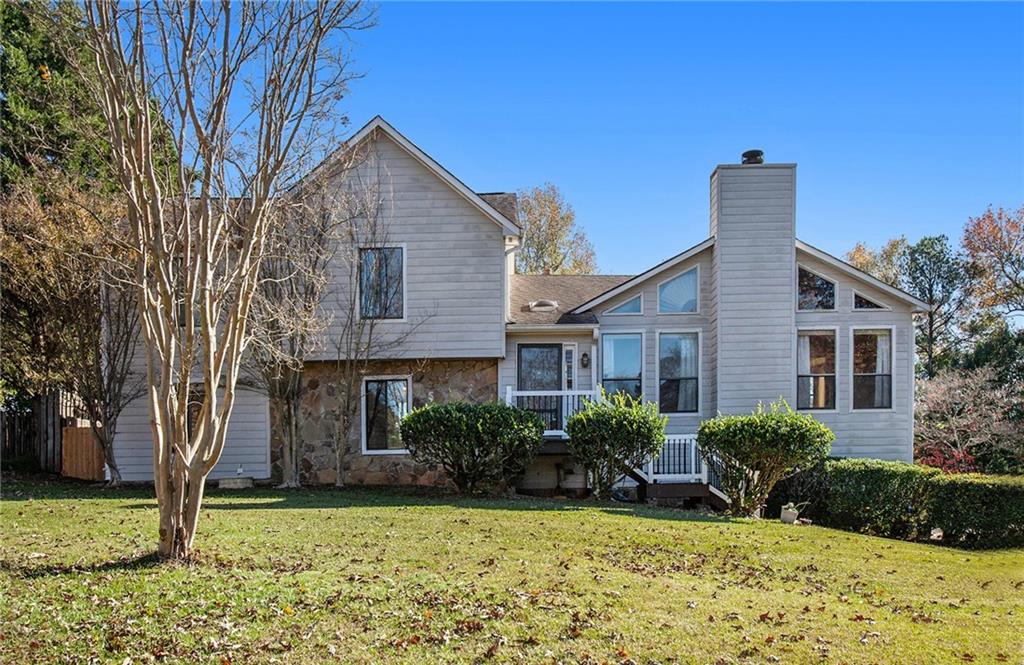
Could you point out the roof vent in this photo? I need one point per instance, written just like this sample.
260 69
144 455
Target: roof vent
543 305
753 157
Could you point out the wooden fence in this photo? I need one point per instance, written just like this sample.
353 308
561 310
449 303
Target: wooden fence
37 432
81 457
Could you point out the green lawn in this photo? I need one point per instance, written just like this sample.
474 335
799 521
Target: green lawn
374 576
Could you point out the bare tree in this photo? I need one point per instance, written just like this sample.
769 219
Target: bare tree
371 292
247 93
288 316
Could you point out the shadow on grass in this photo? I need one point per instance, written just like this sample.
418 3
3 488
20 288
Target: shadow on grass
123 564
334 498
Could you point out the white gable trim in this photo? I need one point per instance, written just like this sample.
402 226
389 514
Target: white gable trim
656 270
380 124
850 271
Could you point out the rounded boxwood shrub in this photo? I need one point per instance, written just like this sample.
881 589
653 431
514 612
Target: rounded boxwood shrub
612 436
978 511
481 446
755 452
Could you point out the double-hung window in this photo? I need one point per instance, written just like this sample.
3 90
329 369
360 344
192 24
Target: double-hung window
385 403
678 372
381 283
872 369
816 369
622 363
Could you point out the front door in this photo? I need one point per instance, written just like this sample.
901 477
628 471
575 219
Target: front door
540 369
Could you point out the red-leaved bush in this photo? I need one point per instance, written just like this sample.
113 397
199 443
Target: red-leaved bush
962 424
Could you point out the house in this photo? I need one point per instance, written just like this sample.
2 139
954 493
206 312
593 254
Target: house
747 316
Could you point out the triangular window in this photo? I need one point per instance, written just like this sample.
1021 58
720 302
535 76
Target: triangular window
815 292
631 306
860 302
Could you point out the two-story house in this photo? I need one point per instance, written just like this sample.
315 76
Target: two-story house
747 316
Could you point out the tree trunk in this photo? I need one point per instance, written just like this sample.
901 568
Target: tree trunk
179 517
289 433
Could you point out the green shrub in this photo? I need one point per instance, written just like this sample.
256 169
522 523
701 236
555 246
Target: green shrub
880 498
481 446
978 511
756 451
614 435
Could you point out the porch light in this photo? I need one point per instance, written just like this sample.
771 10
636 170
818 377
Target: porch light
585 360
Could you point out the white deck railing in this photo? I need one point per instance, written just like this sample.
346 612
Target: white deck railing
680 461
555 407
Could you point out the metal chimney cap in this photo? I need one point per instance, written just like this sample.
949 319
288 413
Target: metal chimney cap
753 157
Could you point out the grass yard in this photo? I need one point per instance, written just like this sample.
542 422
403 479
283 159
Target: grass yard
373 576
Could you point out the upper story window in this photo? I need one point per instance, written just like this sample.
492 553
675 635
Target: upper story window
678 372
872 369
860 302
622 363
679 294
632 306
814 291
816 369
382 283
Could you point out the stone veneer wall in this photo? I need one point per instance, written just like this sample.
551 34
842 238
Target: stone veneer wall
432 381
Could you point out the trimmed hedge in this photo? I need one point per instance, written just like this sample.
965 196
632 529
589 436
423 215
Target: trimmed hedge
906 501
481 446
978 511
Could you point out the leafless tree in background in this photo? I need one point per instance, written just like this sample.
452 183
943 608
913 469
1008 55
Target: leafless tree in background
248 94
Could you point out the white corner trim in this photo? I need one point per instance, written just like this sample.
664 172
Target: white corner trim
362 410
667 264
669 279
699 413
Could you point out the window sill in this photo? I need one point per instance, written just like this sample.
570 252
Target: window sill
396 451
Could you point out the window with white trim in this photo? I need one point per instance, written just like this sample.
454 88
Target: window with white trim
385 403
860 302
814 291
381 288
622 363
679 294
816 369
872 369
631 306
678 372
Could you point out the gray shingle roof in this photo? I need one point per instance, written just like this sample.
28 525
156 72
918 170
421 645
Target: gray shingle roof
503 202
568 291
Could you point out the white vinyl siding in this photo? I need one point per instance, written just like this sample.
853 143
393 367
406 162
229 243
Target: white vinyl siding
454 267
247 444
651 323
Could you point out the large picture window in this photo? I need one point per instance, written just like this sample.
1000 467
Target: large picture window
679 294
381 283
814 291
678 372
622 362
816 369
385 403
872 369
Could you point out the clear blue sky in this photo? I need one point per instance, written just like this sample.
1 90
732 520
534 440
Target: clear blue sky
903 118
